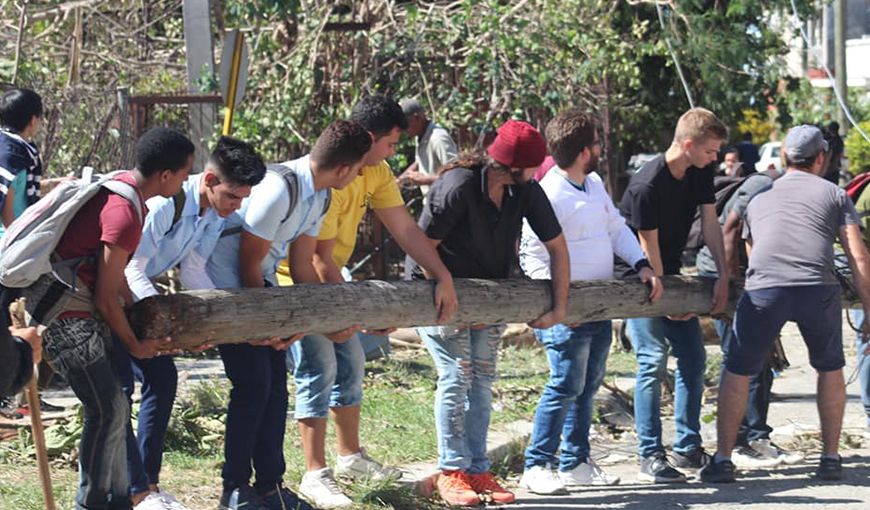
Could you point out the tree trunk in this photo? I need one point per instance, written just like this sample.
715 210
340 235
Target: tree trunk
236 315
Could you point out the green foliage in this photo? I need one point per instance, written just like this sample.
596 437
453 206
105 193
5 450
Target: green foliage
760 128
858 150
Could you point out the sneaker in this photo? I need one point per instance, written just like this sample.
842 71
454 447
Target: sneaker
152 501
587 473
486 484
320 488
719 471
750 458
242 498
454 487
360 465
769 449
693 461
657 469
830 469
542 480
285 499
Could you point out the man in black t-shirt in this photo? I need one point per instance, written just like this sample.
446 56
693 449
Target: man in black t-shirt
659 205
474 216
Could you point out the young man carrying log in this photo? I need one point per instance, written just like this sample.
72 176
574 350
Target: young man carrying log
790 231
595 232
329 369
184 230
474 216
284 211
78 344
660 205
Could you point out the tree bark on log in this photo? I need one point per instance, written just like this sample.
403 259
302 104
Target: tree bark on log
236 315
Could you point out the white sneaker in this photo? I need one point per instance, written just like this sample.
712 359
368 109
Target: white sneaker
542 480
170 501
750 458
360 465
152 501
769 449
319 487
587 473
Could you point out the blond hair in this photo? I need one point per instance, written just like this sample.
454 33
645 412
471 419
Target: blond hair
700 124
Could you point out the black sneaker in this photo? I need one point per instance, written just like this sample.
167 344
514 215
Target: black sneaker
718 472
657 469
242 498
694 460
285 499
830 469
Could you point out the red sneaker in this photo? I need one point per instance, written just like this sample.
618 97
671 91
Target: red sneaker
485 483
454 487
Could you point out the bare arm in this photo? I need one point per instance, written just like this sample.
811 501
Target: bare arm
712 232
561 278
649 242
415 243
108 293
302 260
324 263
731 237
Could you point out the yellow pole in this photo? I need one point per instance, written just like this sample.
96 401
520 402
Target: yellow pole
234 82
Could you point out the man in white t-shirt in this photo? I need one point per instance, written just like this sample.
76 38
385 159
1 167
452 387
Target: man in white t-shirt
594 231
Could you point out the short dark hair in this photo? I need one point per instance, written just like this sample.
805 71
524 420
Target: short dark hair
568 134
379 115
802 163
730 150
162 149
237 162
18 107
343 142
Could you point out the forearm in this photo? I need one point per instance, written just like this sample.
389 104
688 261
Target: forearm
421 249
650 245
113 314
712 233
326 269
560 274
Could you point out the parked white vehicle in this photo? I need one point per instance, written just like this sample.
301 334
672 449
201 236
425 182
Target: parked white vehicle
769 154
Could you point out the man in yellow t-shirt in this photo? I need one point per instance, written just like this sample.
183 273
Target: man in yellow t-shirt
329 369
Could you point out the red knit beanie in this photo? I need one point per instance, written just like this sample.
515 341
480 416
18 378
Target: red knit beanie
518 145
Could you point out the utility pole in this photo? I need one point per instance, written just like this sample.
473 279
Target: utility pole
200 60
840 60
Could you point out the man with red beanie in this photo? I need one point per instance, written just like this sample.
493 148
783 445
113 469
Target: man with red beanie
474 216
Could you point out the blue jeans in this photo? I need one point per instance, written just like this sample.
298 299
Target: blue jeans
465 360
256 416
861 341
652 339
327 374
578 361
159 381
754 425
80 350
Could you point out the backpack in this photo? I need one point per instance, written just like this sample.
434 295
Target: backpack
291 180
27 255
857 185
725 187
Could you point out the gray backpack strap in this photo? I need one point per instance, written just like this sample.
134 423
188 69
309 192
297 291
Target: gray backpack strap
129 192
291 180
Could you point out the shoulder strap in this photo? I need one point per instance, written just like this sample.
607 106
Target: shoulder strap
127 191
327 202
178 201
291 180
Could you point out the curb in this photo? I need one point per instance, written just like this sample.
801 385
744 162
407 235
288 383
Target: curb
421 477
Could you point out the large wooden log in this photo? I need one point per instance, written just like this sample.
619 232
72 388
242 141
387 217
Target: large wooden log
236 315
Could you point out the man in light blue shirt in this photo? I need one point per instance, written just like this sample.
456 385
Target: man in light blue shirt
282 217
178 230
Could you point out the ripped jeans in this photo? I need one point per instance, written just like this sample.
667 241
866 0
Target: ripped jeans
465 360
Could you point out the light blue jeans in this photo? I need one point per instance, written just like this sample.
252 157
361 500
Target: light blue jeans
465 360
861 341
327 375
653 339
578 362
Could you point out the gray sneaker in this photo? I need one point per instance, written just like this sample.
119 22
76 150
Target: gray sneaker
657 469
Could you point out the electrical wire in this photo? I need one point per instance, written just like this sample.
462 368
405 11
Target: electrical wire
799 24
674 56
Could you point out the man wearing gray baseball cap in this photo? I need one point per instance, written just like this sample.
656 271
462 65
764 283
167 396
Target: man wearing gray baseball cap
790 231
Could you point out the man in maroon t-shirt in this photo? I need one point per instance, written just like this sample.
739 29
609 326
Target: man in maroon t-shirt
77 343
